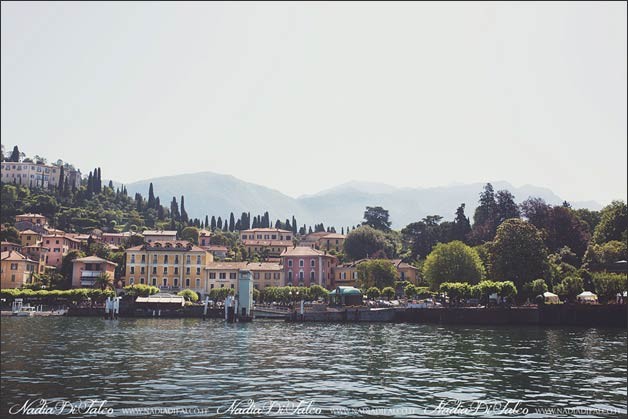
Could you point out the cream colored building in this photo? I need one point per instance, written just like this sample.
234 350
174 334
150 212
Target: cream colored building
37 175
223 275
270 242
169 265
159 235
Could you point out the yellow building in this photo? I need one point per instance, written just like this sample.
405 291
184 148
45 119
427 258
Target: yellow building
32 218
347 273
223 275
16 270
169 265
324 240
8 246
266 274
29 237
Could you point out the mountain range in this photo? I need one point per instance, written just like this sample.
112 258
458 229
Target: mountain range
208 193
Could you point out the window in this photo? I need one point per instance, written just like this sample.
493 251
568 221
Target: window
312 263
198 271
198 282
141 280
233 275
290 276
165 259
222 285
154 270
187 282
187 270
267 275
132 258
143 258
290 263
176 270
142 270
274 237
301 275
232 286
222 275
131 281
212 275
176 259
154 258
187 259
301 263
12 277
132 269
211 286
256 275
176 282
154 282
276 275
288 238
14 266
165 270
198 260
311 275
355 275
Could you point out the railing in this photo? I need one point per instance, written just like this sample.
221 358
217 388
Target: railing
91 274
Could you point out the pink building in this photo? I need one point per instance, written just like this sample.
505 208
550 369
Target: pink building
58 245
304 266
86 270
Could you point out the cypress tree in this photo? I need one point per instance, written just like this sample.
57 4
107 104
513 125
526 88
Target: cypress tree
219 223
174 210
213 223
231 222
277 224
294 225
15 155
238 225
90 184
61 180
310 230
184 214
206 221
151 196
111 185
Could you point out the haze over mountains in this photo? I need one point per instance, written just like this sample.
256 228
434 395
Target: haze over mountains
343 205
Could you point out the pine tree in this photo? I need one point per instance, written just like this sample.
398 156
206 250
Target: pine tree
151 196
184 214
15 155
342 230
111 185
310 230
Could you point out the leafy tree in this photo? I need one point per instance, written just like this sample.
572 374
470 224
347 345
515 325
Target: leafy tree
364 242
592 218
373 293
607 285
316 292
377 217
423 235
190 234
570 287
598 256
409 290
506 207
538 287
452 262
378 273
104 281
388 293
518 253
613 223
10 234
15 155
189 295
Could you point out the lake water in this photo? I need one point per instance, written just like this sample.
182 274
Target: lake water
190 367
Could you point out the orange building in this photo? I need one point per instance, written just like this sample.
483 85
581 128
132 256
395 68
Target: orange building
86 270
16 270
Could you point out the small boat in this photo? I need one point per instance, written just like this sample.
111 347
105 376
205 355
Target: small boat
25 311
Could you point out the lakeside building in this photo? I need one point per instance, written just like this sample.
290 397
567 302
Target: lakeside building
324 240
37 252
266 242
304 266
16 270
346 274
86 270
37 219
38 175
159 235
223 275
9 246
169 265
204 237
266 274
219 252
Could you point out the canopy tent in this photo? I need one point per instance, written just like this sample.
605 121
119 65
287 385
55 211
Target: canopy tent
587 297
550 298
348 296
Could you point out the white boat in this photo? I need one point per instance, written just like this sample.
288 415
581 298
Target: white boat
25 311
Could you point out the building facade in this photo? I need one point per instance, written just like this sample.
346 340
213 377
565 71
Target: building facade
86 270
38 175
266 242
304 266
16 270
8 246
266 274
169 265
159 235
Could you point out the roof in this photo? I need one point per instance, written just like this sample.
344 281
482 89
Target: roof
343 290
167 245
160 232
284 243
216 247
5 243
162 298
226 265
303 251
204 233
30 215
334 236
29 231
263 266
94 259
270 230
14 256
123 234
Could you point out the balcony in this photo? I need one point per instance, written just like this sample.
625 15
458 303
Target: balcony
91 274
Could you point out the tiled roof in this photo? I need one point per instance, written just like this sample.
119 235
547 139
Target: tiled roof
333 236
29 231
94 259
158 245
216 247
303 251
263 266
160 232
264 230
10 244
31 215
14 256
226 265
284 243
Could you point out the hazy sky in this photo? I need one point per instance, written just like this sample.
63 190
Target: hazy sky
300 97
